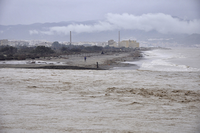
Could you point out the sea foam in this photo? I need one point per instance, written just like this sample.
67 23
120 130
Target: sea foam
170 60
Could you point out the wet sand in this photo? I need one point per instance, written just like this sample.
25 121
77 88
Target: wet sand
49 100
105 61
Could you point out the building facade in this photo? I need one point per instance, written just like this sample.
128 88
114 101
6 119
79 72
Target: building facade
129 44
112 43
4 42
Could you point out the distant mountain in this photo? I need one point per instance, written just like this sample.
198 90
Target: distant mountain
189 39
33 32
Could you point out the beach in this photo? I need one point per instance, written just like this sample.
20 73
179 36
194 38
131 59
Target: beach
77 61
146 99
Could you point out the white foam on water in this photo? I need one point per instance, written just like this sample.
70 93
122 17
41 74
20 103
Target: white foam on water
44 100
170 60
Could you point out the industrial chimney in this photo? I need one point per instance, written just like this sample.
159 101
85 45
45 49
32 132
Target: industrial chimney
119 39
70 38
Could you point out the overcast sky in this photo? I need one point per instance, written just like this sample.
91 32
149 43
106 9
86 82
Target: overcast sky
32 11
110 14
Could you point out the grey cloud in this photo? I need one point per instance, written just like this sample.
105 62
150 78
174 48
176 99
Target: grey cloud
79 28
31 32
42 11
163 23
160 22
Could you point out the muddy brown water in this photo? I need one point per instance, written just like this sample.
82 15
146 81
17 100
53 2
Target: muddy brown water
42 100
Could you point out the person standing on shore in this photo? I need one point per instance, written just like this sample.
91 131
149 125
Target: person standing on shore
85 58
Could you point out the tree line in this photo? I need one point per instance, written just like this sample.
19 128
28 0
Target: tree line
24 52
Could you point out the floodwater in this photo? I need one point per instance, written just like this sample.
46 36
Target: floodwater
41 100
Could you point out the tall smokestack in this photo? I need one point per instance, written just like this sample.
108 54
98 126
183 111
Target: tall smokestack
119 39
70 38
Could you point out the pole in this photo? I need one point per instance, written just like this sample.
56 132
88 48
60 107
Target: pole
70 38
97 65
119 39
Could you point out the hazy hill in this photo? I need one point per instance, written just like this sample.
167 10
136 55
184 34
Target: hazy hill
34 32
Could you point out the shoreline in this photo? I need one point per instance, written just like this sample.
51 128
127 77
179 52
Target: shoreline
105 61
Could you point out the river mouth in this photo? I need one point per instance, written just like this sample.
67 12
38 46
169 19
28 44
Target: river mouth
35 100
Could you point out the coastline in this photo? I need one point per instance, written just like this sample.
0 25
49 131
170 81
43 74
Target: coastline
105 61
102 100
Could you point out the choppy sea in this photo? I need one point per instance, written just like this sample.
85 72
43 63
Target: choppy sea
163 95
175 59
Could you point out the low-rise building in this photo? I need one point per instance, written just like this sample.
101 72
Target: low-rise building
18 43
129 44
112 43
4 42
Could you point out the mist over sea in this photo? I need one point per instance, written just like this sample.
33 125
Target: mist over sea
163 95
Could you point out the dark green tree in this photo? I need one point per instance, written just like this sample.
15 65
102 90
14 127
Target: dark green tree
43 50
